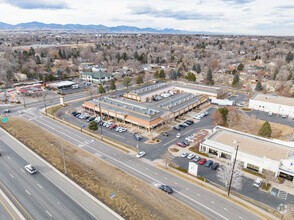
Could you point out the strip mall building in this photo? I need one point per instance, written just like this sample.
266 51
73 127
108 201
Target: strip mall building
137 108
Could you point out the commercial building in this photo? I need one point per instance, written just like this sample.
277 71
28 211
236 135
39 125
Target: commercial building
96 77
147 93
275 104
255 153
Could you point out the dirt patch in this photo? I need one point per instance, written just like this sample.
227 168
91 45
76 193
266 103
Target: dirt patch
134 199
174 149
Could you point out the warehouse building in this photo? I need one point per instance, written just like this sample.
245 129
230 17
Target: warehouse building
255 153
275 104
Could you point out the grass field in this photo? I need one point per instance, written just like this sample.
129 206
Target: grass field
134 199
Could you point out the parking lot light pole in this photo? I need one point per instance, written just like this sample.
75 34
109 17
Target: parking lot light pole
45 105
229 190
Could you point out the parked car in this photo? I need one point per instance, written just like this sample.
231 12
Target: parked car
112 126
182 126
177 128
209 163
257 183
189 122
91 119
165 134
140 154
197 159
178 135
181 144
30 169
202 161
73 112
186 143
215 166
284 116
198 117
270 114
185 154
138 136
86 118
191 156
78 114
166 188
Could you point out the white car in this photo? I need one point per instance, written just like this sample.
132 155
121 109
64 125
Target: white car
257 183
178 135
185 154
284 116
140 154
191 156
270 114
31 169
198 117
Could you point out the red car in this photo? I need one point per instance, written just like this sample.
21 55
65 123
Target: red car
112 126
181 144
202 161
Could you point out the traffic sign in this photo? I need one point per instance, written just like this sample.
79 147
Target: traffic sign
112 195
4 120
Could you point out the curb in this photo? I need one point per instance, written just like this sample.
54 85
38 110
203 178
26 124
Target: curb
66 178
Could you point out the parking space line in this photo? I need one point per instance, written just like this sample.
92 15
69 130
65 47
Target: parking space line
27 192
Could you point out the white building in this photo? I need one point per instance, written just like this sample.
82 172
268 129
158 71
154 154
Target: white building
254 152
275 104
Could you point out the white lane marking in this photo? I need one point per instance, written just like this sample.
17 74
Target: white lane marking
176 183
22 170
48 213
198 194
40 186
78 141
187 189
165 178
225 209
212 202
240 217
8 157
155 173
11 175
27 192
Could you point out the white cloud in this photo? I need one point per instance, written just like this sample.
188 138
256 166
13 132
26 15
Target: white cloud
225 16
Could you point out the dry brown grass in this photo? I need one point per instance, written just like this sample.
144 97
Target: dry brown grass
134 199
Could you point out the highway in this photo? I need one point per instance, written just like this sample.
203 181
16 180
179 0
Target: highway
34 195
211 205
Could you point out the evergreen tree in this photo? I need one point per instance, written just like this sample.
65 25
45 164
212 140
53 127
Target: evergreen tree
118 57
156 75
290 76
112 85
93 126
240 67
265 130
63 54
198 68
38 60
173 75
124 56
139 80
101 89
60 53
127 81
289 57
191 77
275 74
194 68
136 55
258 86
209 75
161 74
224 112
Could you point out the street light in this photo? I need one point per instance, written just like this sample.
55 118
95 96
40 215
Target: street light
229 190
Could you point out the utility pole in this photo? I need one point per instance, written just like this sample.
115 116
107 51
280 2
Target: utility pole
24 103
229 190
65 171
45 105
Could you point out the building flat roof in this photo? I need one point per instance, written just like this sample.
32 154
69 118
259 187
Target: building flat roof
274 99
196 87
251 144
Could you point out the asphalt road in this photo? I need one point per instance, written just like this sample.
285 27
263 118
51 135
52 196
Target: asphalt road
34 195
211 205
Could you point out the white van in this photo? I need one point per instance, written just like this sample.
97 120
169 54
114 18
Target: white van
76 86
258 182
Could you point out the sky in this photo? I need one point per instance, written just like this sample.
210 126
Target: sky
254 17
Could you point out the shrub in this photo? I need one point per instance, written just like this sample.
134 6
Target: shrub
182 169
157 140
197 152
253 172
246 109
203 179
266 186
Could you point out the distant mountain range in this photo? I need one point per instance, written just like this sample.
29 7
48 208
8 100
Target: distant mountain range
92 28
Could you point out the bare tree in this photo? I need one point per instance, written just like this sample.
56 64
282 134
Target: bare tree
233 116
224 175
91 91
